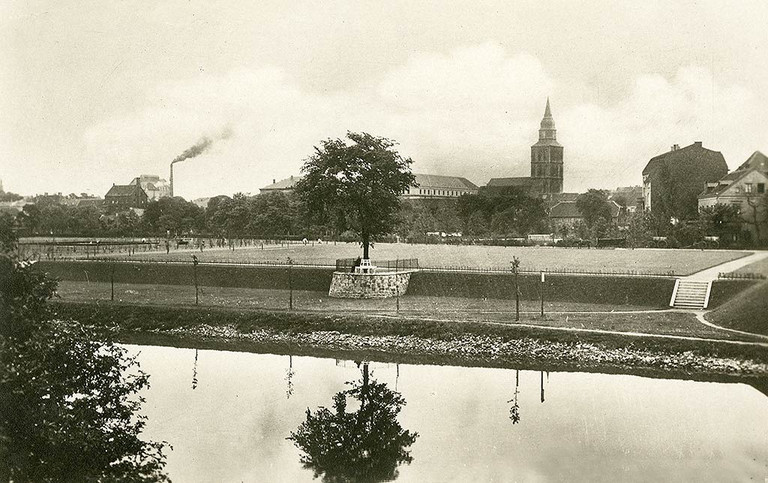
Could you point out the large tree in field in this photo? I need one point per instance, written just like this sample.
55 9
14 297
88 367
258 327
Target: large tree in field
355 185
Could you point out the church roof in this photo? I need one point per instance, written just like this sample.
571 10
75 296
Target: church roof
519 182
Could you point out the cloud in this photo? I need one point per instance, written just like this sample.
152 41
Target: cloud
473 111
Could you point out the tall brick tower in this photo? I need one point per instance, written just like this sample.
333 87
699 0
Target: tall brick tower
547 157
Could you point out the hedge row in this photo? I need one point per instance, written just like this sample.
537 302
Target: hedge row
641 291
302 278
644 291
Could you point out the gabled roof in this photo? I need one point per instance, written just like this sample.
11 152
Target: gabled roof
445 182
521 182
283 184
565 209
756 162
124 190
568 209
695 150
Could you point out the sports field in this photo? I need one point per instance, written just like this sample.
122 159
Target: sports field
642 261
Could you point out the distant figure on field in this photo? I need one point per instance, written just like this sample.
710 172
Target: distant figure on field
356 264
167 246
304 241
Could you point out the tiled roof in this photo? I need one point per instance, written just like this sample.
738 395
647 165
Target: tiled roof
695 151
568 209
123 190
444 182
283 184
756 160
518 182
565 209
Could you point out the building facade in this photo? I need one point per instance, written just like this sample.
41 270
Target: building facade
672 181
153 186
125 197
747 189
432 186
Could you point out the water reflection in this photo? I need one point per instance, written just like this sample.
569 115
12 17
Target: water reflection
514 410
289 378
363 445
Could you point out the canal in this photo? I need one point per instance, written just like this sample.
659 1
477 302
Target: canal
235 416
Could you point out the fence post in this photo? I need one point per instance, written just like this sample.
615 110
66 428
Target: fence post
290 284
542 294
112 279
397 287
515 264
194 273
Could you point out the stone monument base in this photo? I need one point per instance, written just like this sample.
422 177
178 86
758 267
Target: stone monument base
369 285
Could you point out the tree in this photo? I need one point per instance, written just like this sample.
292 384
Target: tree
356 185
722 220
757 214
68 402
594 206
364 445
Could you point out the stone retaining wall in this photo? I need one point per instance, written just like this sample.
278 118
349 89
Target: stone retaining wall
369 285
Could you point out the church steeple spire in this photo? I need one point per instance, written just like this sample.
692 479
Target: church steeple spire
548 131
547 157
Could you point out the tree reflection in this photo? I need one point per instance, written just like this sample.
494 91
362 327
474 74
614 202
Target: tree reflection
364 445
514 410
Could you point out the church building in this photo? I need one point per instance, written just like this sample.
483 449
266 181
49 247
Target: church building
546 178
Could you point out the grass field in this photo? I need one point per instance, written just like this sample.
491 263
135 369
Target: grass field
557 314
651 261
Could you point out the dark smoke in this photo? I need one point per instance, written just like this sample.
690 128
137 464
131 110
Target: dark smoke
202 146
196 150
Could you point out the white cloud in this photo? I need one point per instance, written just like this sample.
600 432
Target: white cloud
473 111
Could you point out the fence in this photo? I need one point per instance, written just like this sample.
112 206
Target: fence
741 276
348 264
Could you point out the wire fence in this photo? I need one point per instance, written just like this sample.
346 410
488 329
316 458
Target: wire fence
741 276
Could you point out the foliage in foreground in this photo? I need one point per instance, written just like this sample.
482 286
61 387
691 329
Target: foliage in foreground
68 402
364 445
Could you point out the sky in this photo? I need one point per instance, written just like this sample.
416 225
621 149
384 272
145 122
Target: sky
94 93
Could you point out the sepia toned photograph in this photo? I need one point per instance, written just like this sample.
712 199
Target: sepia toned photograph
356 241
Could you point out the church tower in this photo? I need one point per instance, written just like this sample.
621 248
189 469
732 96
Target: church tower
547 157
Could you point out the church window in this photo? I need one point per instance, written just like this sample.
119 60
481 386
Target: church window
748 188
761 187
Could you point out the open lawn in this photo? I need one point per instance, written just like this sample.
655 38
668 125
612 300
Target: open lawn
558 314
643 261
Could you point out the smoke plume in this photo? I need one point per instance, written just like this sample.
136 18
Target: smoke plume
202 146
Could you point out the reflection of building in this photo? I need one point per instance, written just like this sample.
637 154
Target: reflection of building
124 197
546 177
437 186
745 188
672 181
153 186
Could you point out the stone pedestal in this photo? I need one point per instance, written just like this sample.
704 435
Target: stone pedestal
369 285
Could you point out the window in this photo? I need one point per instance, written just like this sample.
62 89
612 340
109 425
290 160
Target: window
748 188
761 188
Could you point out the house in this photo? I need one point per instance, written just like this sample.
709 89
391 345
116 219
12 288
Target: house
567 214
546 178
125 197
153 186
746 188
672 181
431 186
286 185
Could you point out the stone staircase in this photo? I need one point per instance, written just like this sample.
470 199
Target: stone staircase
691 294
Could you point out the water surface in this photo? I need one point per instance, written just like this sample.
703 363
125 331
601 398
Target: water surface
228 416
